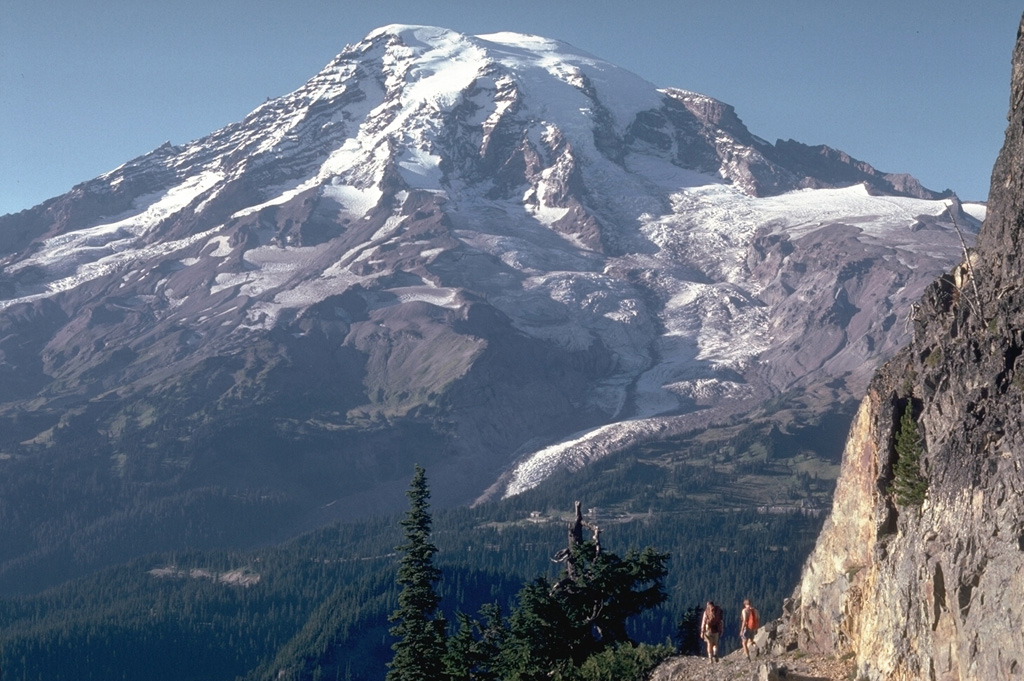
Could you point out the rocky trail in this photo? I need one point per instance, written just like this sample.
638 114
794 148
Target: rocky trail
792 666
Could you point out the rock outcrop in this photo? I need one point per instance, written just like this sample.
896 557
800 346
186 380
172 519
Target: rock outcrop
935 590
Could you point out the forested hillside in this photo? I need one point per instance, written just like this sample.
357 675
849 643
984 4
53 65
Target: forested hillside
317 607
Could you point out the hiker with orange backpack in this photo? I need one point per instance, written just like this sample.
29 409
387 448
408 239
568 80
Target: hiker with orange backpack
749 622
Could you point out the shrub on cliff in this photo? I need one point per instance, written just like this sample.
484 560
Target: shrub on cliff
909 486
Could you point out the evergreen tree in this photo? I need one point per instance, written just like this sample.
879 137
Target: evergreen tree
541 639
418 626
461 652
610 589
688 633
493 633
555 628
908 485
472 650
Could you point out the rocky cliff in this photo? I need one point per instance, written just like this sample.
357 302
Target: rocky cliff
934 588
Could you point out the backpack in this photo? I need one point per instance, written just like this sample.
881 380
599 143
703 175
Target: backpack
752 622
715 623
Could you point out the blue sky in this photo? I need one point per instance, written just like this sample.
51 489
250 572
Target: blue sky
918 86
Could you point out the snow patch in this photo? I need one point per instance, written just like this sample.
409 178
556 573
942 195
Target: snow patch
353 200
804 210
420 168
221 246
74 253
978 211
574 453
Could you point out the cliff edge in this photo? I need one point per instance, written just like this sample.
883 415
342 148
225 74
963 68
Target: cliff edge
932 586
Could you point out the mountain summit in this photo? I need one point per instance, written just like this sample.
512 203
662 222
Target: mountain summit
495 255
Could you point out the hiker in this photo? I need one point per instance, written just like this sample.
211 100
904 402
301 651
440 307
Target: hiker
749 622
711 629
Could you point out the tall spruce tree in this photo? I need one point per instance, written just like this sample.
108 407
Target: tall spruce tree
417 625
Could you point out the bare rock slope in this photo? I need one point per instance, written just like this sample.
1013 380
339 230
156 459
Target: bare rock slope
936 590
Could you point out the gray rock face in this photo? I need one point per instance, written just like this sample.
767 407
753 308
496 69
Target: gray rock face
462 251
936 592
720 143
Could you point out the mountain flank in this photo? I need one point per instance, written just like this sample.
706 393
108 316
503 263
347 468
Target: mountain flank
931 585
496 256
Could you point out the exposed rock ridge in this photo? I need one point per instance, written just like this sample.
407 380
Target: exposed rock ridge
716 141
937 591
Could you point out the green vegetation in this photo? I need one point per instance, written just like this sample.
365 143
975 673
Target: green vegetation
624 662
419 628
688 639
556 629
909 486
320 607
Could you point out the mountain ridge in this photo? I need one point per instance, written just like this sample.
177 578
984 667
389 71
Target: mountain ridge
460 250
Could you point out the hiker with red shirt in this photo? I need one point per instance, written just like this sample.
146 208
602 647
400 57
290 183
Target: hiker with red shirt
749 622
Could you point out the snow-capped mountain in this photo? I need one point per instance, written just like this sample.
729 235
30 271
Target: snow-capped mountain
495 255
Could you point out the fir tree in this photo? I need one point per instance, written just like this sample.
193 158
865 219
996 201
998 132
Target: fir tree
418 626
688 633
473 649
555 628
542 640
461 653
908 485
